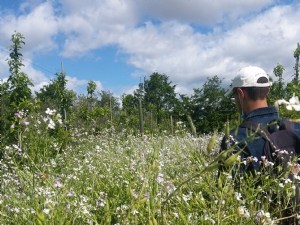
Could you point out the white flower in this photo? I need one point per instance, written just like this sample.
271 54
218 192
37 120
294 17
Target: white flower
51 124
46 211
160 178
134 212
293 103
48 111
243 212
238 196
57 183
25 123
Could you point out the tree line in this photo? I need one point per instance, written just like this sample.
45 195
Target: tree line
152 108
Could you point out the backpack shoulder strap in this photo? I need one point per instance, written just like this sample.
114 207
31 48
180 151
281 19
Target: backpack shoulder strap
285 124
261 130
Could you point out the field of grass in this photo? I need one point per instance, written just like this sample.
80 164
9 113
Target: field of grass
119 178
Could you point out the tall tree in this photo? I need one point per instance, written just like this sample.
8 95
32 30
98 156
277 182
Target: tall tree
91 87
160 96
277 88
210 108
15 93
18 82
56 95
296 56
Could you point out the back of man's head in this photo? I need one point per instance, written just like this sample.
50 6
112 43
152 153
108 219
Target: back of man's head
254 80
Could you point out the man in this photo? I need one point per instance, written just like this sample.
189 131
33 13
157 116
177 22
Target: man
250 89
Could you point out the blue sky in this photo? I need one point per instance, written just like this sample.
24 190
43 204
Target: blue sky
117 43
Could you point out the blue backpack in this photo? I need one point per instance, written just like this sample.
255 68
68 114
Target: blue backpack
281 146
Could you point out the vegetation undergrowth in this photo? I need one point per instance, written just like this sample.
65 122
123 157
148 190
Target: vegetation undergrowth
120 178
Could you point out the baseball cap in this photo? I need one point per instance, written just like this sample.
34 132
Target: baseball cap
250 76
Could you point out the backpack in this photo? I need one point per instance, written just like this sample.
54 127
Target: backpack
282 145
281 142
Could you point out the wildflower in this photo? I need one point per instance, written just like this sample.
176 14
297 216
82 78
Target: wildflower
243 212
18 115
134 212
160 178
293 103
238 196
263 218
51 124
57 183
46 211
50 112
259 215
70 194
176 215
26 123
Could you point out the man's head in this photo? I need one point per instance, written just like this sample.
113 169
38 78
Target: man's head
250 88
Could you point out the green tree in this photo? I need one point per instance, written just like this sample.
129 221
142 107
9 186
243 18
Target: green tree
159 96
211 109
56 95
18 82
108 101
296 56
278 87
129 103
15 93
91 87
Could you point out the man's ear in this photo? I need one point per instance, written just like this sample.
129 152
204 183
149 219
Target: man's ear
241 93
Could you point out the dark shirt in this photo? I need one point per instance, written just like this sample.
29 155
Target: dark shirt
255 147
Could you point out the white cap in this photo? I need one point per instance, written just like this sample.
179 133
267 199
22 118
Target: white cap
249 77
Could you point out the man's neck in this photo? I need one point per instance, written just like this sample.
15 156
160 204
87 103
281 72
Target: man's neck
252 105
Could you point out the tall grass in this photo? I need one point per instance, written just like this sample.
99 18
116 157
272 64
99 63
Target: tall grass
112 178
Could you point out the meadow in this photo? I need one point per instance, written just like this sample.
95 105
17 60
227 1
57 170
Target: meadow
116 177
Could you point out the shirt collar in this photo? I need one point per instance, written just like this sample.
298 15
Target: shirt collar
260 112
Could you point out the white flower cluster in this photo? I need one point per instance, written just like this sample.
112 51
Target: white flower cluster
51 118
264 218
292 104
243 212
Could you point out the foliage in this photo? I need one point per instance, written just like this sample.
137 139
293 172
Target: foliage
15 93
210 108
160 97
277 90
296 56
118 178
56 95
91 87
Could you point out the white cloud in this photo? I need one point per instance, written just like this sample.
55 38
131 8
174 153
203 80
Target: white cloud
163 36
205 12
93 24
38 27
187 56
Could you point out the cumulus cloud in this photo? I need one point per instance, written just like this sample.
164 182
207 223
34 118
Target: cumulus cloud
93 24
186 40
188 55
205 12
38 27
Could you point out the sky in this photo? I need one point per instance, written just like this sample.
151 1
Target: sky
119 43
